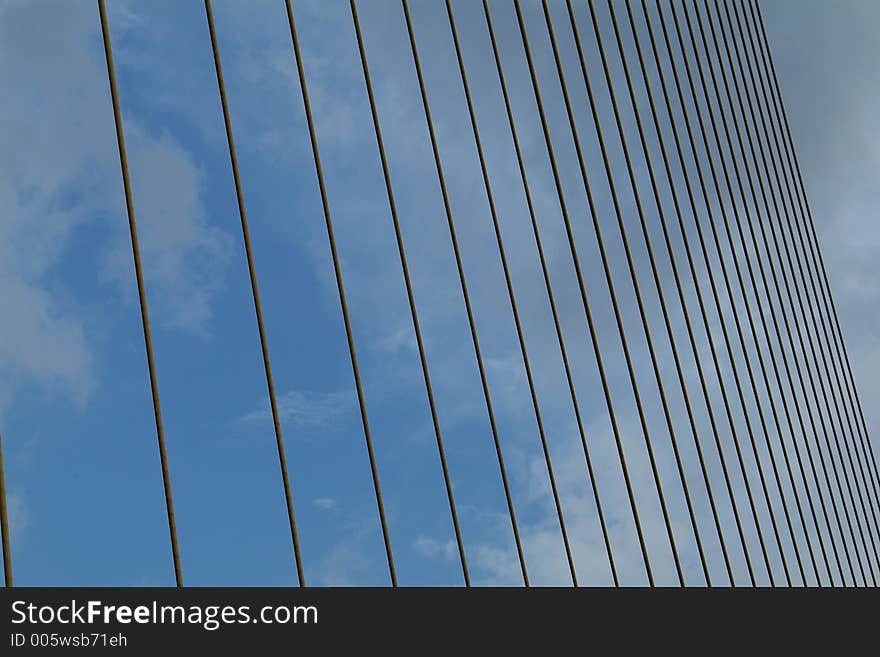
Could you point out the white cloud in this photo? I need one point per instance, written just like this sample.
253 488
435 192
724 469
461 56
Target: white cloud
19 518
59 179
346 563
398 339
40 342
325 503
184 256
431 548
306 408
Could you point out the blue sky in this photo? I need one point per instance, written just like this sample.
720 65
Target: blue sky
75 413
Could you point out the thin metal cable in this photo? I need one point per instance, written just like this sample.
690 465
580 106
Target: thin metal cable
552 299
411 297
838 390
695 277
631 267
264 346
753 137
746 299
749 369
464 289
768 443
142 294
671 253
750 224
763 72
809 496
843 360
764 279
509 282
816 259
791 428
869 517
717 302
337 269
776 371
782 394
584 297
4 526
866 516
609 281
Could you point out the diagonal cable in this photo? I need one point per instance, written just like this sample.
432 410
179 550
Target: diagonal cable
142 294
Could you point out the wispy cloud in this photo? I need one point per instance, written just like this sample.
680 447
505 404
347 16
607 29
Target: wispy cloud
18 515
185 256
434 549
41 342
325 503
59 178
306 408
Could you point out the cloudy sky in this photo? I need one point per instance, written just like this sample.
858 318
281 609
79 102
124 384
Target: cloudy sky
82 468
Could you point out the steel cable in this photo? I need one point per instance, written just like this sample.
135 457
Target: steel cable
740 280
255 290
695 276
814 263
583 292
809 228
142 294
673 261
551 297
736 215
790 296
509 284
4 526
716 299
631 266
836 390
754 240
340 286
785 405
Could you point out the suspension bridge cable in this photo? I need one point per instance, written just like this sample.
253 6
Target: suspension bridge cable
340 286
264 346
802 470
865 515
797 451
610 283
551 297
776 286
411 298
142 294
750 372
509 283
751 140
679 215
817 261
584 297
783 397
631 267
842 358
776 369
696 279
837 389
748 216
736 215
714 288
463 281
673 261
4 526
740 280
